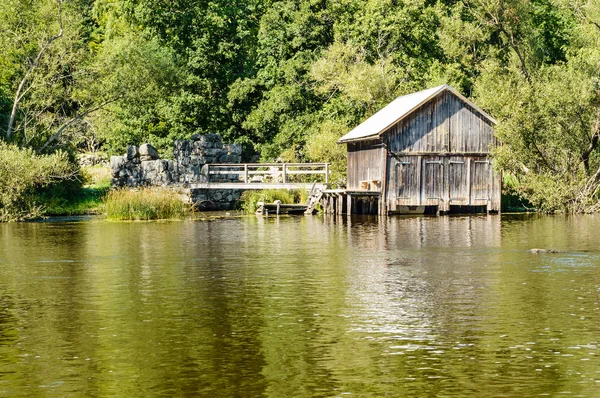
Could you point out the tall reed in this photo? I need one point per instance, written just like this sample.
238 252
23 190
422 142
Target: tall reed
145 204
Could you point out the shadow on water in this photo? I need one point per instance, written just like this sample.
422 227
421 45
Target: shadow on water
301 306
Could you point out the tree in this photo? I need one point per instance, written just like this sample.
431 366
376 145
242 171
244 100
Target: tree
549 117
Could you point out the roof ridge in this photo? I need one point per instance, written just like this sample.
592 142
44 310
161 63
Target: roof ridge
400 108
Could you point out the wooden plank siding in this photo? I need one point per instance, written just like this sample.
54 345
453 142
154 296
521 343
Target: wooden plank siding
404 181
446 124
443 181
366 161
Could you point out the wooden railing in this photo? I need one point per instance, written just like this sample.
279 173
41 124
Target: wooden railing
283 173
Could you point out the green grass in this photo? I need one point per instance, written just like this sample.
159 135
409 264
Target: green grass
144 204
96 176
87 201
250 198
79 200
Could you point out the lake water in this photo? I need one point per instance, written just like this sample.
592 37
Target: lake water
301 307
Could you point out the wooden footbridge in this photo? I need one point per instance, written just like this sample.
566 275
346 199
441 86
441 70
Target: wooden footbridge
264 175
313 177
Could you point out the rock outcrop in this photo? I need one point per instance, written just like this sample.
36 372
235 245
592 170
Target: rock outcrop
143 167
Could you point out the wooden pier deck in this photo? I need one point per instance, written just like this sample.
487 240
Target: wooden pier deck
280 208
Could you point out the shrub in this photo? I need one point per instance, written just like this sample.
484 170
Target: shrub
145 204
23 174
250 198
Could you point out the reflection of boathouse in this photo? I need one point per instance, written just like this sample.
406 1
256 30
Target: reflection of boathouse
426 151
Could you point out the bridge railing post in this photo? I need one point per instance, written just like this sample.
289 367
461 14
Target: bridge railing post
284 172
245 173
326 173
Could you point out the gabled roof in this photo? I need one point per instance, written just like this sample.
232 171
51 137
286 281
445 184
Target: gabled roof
400 108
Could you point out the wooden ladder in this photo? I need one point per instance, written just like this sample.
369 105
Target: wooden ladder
314 197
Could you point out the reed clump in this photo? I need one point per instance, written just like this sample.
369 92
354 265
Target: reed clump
145 204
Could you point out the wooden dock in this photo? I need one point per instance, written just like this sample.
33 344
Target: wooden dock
331 201
357 201
278 208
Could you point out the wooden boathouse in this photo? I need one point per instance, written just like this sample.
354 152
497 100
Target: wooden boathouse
424 152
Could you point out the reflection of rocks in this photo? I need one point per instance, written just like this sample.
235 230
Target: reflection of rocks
545 251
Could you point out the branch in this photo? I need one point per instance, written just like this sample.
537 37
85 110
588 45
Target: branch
585 156
69 122
543 157
511 43
32 67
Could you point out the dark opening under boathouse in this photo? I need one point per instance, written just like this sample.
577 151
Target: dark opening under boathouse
424 152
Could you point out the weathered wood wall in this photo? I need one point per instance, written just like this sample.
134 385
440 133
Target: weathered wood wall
446 124
366 160
444 181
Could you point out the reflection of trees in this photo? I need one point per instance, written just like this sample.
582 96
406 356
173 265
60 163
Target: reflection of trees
303 307
8 337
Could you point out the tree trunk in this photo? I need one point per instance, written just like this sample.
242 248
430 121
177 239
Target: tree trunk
19 94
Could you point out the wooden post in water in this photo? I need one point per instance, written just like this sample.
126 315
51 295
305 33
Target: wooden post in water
348 204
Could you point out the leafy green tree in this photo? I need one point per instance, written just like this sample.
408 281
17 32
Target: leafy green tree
549 113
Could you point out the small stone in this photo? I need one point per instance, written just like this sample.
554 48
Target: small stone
147 150
132 152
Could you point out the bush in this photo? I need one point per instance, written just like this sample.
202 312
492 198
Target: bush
251 198
84 201
144 204
23 174
322 146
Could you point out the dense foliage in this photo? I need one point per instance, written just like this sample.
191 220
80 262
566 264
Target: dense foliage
287 78
23 174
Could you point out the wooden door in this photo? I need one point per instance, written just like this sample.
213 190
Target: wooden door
480 181
433 177
407 181
458 180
